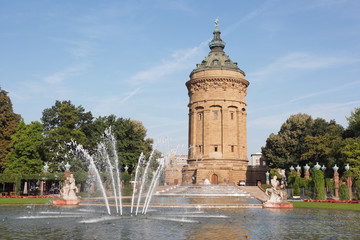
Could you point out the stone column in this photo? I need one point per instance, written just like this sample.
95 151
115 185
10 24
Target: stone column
41 187
67 173
349 184
336 180
307 173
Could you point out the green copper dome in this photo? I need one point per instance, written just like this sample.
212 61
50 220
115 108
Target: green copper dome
217 58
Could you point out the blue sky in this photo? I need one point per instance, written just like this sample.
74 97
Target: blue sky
132 59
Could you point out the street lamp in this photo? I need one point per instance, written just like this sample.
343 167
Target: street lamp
267 177
347 167
46 168
67 166
306 167
323 168
291 168
126 168
317 166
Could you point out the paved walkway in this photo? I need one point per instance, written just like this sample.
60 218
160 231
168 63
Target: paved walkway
255 191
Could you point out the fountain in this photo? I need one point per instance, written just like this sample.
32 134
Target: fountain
177 212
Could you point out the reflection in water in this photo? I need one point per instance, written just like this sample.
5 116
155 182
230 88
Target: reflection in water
90 223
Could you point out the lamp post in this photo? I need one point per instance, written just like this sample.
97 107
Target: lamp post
298 168
267 177
45 170
348 180
67 172
307 174
291 168
317 166
336 180
126 168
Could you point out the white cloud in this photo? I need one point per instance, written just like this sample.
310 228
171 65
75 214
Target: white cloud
62 75
331 90
129 95
105 106
300 61
179 60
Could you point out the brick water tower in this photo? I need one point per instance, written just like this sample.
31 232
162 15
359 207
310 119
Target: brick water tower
217 119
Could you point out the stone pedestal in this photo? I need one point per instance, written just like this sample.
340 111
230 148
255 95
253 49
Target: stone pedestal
307 175
41 187
284 205
298 173
336 180
67 173
65 202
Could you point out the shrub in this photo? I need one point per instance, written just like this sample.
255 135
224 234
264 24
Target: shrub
330 184
319 185
291 178
307 185
357 190
344 192
296 186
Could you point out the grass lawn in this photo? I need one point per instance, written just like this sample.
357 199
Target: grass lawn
341 206
25 200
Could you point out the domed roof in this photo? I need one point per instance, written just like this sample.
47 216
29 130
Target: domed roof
217 58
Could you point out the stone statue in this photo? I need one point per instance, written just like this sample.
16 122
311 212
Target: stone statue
216 23
207 182
276 195
69 190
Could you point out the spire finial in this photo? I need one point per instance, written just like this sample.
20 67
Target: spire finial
216 23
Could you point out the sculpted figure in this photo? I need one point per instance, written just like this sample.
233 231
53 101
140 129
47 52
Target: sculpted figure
276 195
69 190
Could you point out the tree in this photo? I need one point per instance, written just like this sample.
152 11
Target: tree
130 138
8 123
351 152
63 123
302 140
354 123
26 156
285 148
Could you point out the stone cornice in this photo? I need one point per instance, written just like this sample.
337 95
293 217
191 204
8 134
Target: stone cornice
219 100
205 84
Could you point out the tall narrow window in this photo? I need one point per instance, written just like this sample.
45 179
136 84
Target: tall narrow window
216 148
215 115
200 149
232 148
232 116
199 116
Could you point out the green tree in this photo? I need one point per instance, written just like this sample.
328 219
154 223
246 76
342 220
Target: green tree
285 148
354 123
130 138
26 156
8 123
302 140
63 123
351 151
344 192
